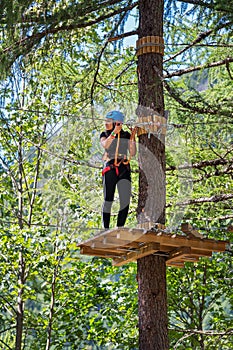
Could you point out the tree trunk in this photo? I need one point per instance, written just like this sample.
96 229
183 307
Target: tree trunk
21 270
20 308
153 331
152 303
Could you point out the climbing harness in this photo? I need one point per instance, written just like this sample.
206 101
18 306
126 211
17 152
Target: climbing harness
116 163
126 161
110 167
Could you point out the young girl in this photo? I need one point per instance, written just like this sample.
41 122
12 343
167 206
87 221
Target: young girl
116 172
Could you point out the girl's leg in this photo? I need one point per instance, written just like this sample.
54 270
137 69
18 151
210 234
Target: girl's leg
124 190
109 185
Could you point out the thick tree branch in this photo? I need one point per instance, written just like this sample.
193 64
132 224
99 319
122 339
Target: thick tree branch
195 108
30 41
226 61
188 333
224 217
173 93
38 14
207 5
124 35
213 199
212 333
202 164
201 37
228 171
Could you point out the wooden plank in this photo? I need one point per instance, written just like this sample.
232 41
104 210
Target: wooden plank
144 41
105 243
111 243
116 244
164 239
189 258
186 254
97 237
118 237
132 256
149 224
122 256
182 254
130 235
175 264
176 254
120 244
197 252
153 47
168 239
180 241
190 231
102 252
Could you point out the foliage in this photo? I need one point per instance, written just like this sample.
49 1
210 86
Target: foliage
203 303
94 304
59 77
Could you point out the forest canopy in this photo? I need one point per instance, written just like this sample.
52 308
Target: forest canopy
63 65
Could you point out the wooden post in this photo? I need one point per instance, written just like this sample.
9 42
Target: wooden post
153 331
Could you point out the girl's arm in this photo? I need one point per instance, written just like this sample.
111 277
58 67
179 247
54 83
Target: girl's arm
132 143
106 141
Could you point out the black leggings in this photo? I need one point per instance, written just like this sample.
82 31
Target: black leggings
123 183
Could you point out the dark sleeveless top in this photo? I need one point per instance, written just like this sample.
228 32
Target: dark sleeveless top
123 147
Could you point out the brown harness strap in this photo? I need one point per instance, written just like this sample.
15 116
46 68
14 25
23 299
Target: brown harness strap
125 162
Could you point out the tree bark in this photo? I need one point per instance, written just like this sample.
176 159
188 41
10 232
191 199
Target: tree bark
152 299
153 333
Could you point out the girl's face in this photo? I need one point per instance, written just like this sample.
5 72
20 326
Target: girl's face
108 124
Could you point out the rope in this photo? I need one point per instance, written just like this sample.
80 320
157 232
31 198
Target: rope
127 123
125 162
117 149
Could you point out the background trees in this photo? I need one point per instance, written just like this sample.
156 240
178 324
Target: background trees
59 74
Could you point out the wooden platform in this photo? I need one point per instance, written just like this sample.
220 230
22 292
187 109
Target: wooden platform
124 245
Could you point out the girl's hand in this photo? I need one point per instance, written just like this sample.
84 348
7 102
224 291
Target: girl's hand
133 133
117 128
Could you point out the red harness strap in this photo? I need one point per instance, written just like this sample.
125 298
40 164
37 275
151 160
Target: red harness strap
109 167
116 164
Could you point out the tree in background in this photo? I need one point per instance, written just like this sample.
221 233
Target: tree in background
58 63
